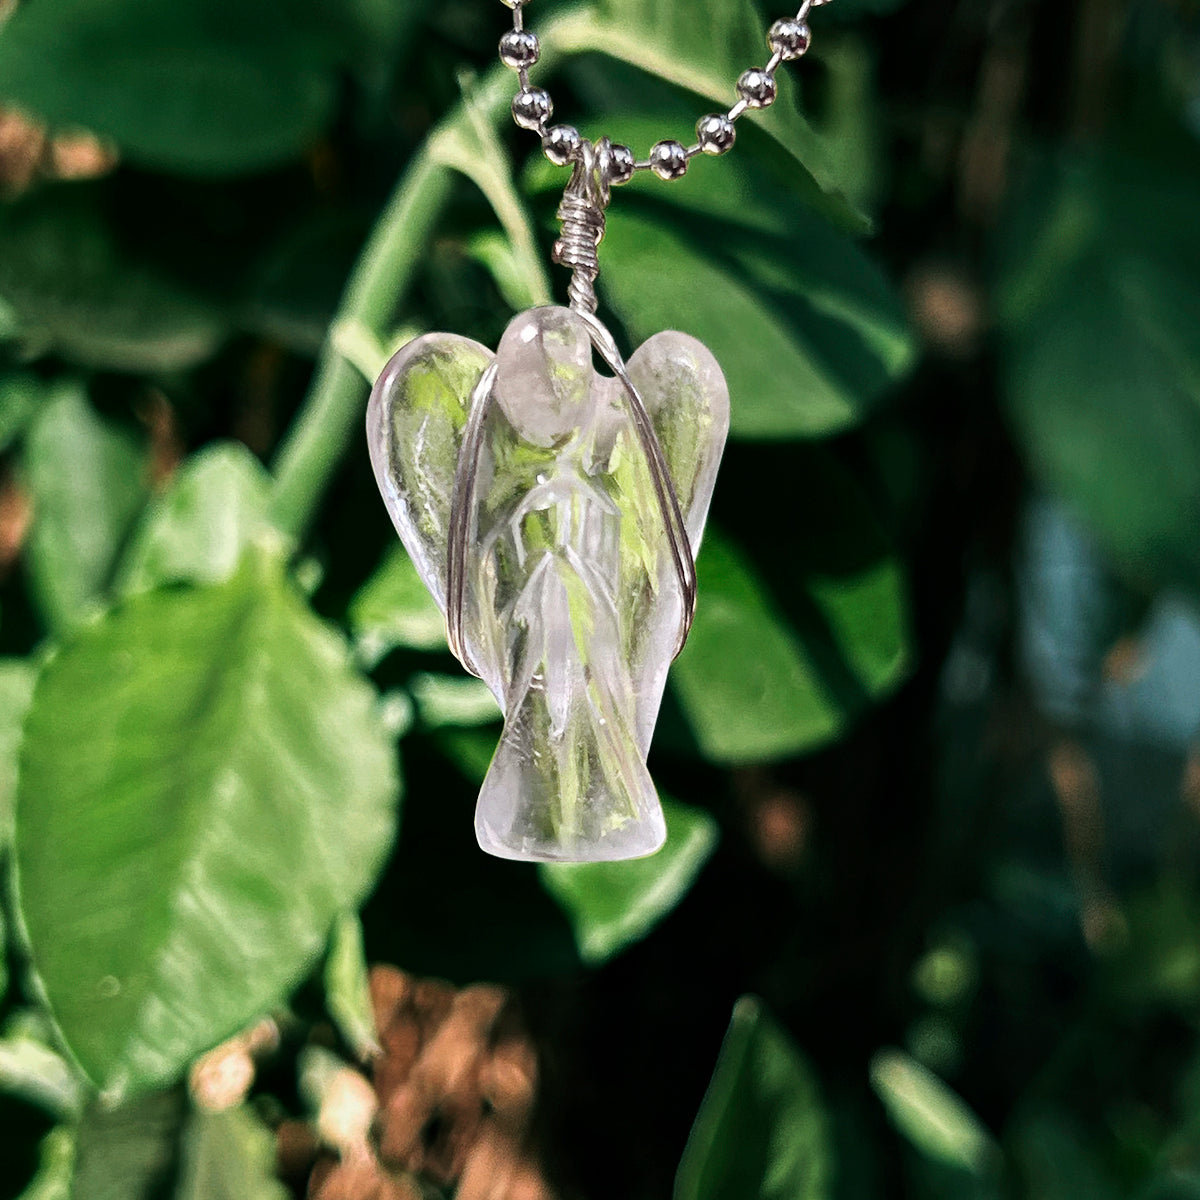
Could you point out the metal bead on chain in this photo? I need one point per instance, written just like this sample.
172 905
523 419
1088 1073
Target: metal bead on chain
788 39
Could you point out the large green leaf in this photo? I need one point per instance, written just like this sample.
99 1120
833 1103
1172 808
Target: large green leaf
1101 311
87 480
205 784
74 289
199 529
194 85
611 905
802 622
762 1133
809 331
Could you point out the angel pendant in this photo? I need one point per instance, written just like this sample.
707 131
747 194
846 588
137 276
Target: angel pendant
553 512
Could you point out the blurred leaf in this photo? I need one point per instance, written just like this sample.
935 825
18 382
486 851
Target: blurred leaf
747 687
229 1156
756 685
20 396
929 1114
128 1152
393 608
32 1069
201 86
87 481
347 994
56 1166
199 529
77 291
1101 311
665 38
853 132
762 1131
207 760
471 750
449 700
16 689
1057 1158
612 905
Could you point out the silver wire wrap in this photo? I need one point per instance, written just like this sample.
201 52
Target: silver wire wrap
582 215
467 474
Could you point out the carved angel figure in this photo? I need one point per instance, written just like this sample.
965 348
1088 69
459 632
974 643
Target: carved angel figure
572 603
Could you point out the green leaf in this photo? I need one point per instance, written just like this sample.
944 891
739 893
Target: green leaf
809 331
612 905
229 1156
55 1167
128 1152
930 1115
208 760
198 531
16 689
347 993
197 86
1101 312
20 396
665 39
32 1069
77 291
806 329
453 700
762 1132
763 677
394 609
87 481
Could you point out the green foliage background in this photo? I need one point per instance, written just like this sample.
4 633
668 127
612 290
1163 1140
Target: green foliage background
929 758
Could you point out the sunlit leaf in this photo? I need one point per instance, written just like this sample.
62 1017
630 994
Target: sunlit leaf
30 1067
207 761
762 1131
611 905
87 480
394 608
453 700
929 1114
198 530
809 331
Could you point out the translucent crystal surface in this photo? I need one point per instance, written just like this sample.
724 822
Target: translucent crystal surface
573 603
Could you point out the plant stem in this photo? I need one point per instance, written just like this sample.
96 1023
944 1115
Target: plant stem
332 412
322 431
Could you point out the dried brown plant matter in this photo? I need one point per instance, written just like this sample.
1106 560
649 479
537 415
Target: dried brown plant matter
455 1083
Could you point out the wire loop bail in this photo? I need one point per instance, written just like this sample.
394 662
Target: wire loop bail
582 215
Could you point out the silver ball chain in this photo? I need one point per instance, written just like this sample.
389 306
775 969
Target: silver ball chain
532 108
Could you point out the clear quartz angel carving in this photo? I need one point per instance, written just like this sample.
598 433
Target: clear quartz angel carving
571 599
